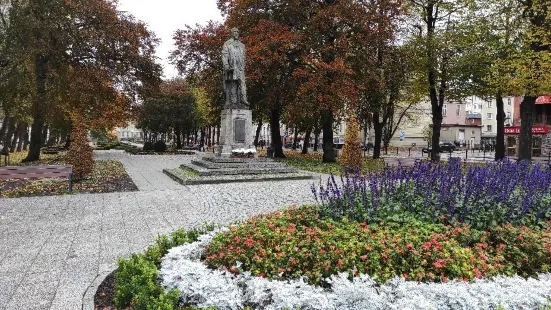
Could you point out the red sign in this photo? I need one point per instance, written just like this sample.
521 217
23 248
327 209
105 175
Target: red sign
536 130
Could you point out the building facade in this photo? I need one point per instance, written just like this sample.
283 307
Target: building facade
541 136
489 117
460 124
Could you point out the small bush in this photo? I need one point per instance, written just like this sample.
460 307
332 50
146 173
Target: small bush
160 146
80 154
148 146
351 156
137 286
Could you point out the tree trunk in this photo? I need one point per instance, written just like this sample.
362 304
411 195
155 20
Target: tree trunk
316 138
16 137
178 138
209 135
68 141
500 138
306 141
4 128
378 130
218 134
26 139
44 135
21 136
202 139
9 134
436 126
295 138
328 147
258 129
527 116
38 113
276 135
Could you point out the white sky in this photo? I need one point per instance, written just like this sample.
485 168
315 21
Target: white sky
164 17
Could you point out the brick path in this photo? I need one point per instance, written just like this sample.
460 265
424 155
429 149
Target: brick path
55 248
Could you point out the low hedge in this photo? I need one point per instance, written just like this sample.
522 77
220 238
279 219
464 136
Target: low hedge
137 285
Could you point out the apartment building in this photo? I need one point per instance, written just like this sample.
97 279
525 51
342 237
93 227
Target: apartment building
489 117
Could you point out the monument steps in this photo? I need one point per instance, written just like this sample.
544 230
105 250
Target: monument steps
202 171
237 165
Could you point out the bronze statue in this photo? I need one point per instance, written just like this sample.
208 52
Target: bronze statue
233 59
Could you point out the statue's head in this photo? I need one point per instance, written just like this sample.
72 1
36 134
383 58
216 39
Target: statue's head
235 33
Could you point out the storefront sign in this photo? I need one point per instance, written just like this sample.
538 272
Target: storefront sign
536 130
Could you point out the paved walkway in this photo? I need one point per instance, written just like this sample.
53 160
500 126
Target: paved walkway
55 248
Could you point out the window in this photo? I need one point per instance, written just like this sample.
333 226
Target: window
472 121
458 110
488 127
509 114
508 101
489 104
472 132
489 115
444 110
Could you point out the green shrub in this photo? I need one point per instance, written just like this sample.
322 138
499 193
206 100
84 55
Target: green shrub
137 285
148 146
160 146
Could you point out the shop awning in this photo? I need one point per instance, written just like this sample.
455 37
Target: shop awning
544 99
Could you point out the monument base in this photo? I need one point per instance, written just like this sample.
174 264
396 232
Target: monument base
236 131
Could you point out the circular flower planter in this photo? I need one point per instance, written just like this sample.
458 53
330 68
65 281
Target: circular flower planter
183 269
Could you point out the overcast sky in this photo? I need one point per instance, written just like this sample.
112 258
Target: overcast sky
166 16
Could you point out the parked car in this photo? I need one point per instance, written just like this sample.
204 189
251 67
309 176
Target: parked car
444 147
368 146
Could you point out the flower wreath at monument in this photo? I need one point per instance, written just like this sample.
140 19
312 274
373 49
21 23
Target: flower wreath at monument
243 153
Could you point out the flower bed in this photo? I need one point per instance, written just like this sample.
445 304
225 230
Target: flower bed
479 196
297 243
378 242
108 176
201 286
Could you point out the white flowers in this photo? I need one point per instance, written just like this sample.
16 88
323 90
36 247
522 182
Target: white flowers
243 152
182 269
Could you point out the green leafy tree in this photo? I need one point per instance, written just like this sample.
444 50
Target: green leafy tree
442 49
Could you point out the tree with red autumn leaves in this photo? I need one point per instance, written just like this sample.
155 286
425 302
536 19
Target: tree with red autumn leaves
82 56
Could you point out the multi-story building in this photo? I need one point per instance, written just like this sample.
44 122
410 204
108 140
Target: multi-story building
489 118
459 124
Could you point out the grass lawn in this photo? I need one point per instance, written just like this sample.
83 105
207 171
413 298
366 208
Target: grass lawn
107 176
313 162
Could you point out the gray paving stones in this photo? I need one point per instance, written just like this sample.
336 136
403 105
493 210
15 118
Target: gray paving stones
56 246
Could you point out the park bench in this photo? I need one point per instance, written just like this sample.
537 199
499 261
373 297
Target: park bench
37 172
405 162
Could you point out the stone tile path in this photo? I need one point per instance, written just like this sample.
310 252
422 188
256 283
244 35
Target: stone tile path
55 248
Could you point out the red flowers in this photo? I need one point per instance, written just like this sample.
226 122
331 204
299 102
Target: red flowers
419 252
249 242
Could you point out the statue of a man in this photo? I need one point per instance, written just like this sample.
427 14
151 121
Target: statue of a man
233 59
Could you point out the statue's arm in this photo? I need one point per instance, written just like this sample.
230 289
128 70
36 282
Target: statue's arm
225 55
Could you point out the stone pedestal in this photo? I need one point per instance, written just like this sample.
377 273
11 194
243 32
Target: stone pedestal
236 131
